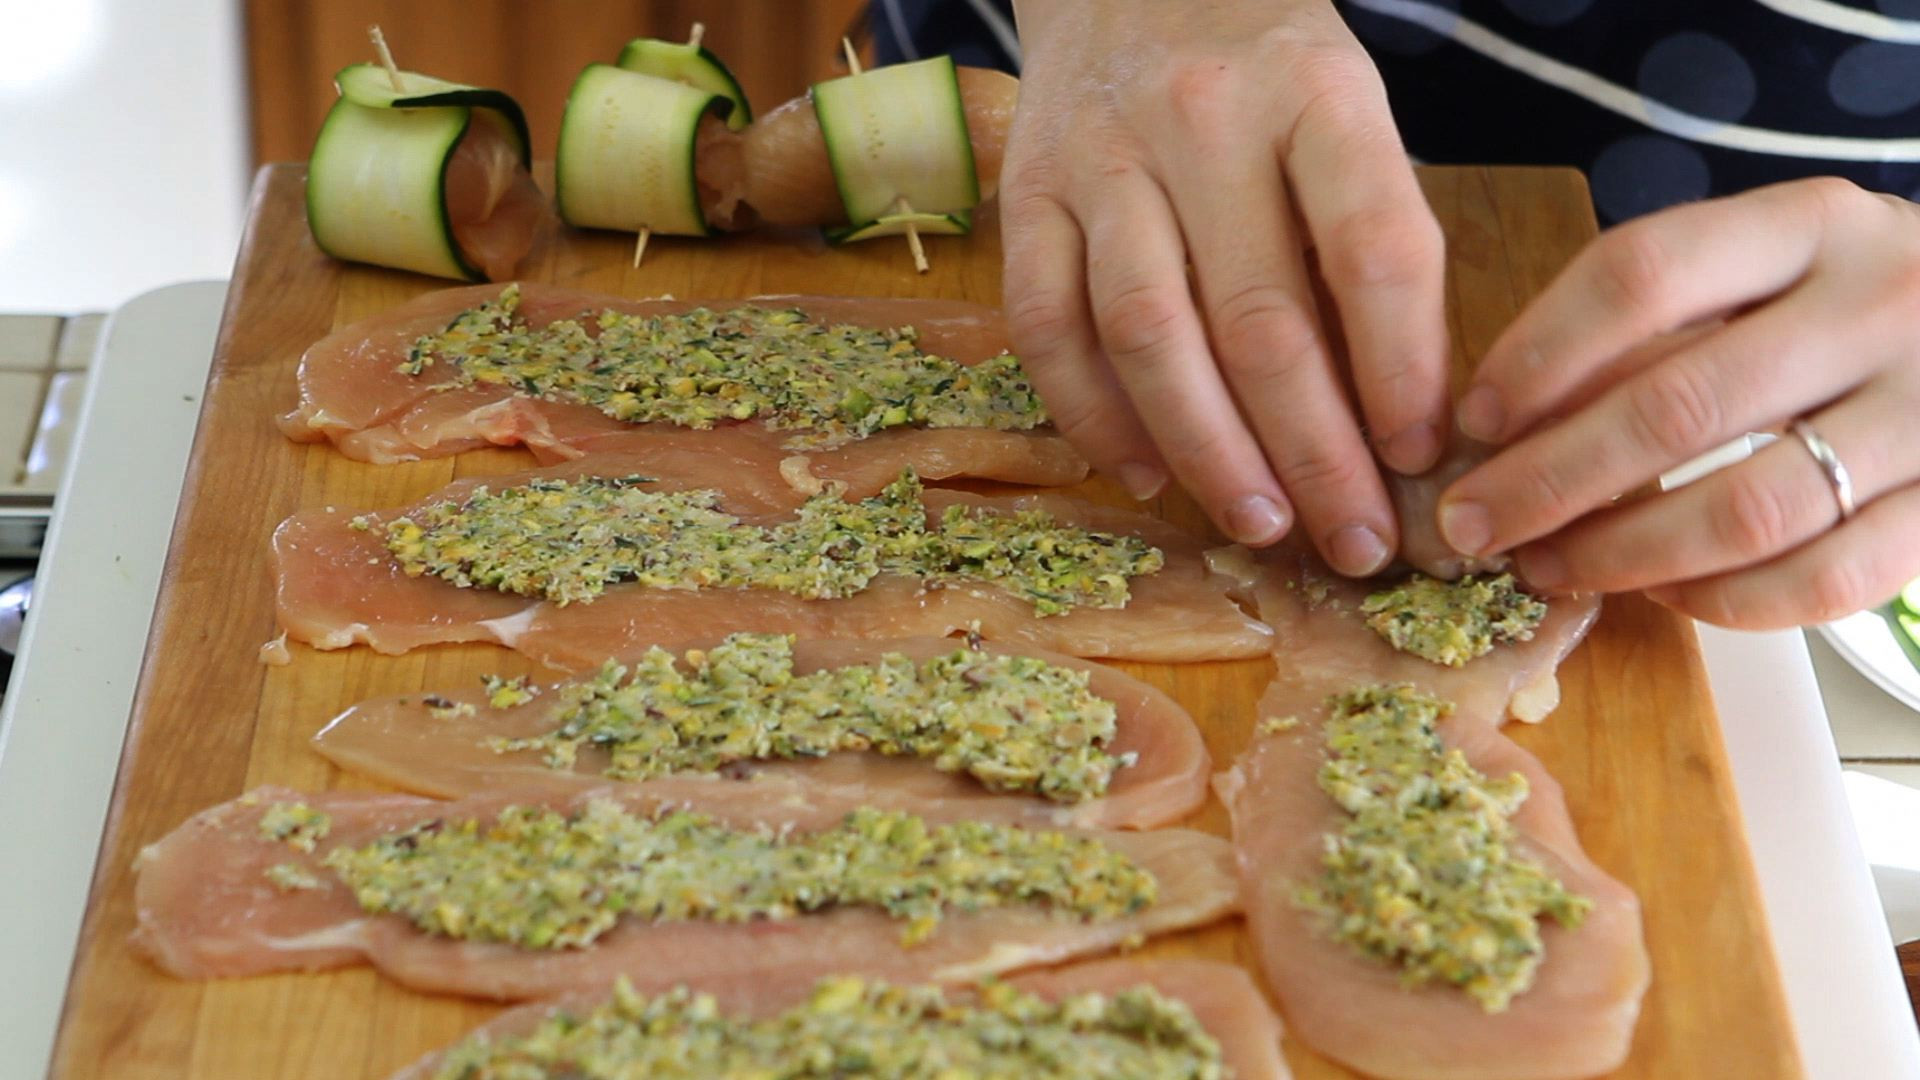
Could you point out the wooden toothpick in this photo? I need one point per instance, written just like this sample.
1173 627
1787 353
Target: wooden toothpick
900 205
386 57
913 236
694 37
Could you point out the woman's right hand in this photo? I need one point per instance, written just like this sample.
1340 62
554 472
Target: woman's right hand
1801 299
1231 136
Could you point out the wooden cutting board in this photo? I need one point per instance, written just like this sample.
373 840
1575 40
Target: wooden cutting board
1636 742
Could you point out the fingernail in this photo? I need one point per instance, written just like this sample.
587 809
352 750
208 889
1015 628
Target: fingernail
1357 550
1142 482
1413 450
1541 567
1255 519
1481 414
1467 527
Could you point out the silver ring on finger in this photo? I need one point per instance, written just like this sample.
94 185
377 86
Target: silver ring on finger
1838 478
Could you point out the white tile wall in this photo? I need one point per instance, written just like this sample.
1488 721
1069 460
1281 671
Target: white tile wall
43 378
27 341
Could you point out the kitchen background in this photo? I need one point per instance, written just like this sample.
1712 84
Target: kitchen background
129 130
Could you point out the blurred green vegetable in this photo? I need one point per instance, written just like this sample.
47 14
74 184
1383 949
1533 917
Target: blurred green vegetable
1906 620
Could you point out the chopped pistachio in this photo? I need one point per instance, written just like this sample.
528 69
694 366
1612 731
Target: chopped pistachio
566 541
1426 872
441 708
1015 723
290 877
505 693
540 879
834 381
300 826
856 1028
1453 622
1275 725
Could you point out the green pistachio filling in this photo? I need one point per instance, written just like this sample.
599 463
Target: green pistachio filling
444 709
566 541
540 879
1452 622
505 693
860 1030
1427 872
835 381
296 824
1015 723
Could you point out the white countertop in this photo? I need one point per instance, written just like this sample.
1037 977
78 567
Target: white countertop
73 690
66 708
1830 934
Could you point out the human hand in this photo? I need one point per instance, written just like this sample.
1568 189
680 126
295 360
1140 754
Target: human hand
1815 286
1230 135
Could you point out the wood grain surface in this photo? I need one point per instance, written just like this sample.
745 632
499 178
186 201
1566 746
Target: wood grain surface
1636 742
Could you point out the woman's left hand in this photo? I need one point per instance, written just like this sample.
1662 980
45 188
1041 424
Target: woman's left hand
1804 303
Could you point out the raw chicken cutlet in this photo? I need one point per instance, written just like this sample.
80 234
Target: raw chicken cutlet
776 171
1416 504
338 585
356 391
1576 1019
220 896
1151 771
783 176
1221 997
493 205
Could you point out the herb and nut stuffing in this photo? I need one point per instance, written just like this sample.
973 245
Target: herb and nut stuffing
566 541
834 381
860 1030
1014 723
1427 872
1452 622
1277 725
505 693
446 709
297 825
540 879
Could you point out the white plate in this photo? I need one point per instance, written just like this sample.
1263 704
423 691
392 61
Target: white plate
1867 642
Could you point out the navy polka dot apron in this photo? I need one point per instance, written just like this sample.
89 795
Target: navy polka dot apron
1657 101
